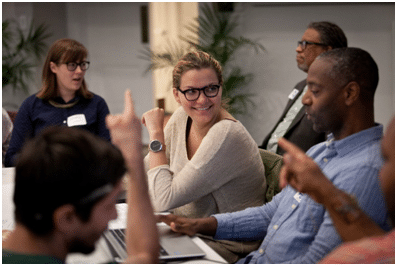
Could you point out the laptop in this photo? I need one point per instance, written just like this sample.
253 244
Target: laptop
173 246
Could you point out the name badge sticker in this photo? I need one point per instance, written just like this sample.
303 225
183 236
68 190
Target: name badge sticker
76 120
298 196
293 94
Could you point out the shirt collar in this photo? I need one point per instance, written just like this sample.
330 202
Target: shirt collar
348 144
59 99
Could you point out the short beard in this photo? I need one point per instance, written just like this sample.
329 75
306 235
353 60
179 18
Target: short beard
79 246
303 67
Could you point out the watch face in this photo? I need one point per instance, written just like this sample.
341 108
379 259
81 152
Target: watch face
155 145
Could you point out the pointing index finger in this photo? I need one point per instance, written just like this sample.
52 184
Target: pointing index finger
128 103
288 146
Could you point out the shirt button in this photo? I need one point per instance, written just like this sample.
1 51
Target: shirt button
293 206
261 251
275 227
325 160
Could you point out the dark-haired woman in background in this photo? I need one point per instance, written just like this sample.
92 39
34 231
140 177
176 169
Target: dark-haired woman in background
62 100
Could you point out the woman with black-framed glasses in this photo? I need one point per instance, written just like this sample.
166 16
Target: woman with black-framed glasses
205 161
63 99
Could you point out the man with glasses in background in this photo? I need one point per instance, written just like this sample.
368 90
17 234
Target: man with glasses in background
293 125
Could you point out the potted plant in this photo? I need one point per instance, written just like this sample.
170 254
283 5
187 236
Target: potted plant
21 53
216 36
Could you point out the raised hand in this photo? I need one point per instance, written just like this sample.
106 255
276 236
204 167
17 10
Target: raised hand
141 237
301 172
154 120
125 129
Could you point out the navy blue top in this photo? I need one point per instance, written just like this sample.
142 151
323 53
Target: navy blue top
36 114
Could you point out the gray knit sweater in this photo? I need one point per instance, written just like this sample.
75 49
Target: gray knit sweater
225 174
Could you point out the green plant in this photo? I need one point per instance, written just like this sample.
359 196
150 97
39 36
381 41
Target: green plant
21 53
216 37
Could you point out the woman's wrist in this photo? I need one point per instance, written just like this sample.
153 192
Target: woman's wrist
157 135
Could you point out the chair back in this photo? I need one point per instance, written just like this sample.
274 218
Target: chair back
272 163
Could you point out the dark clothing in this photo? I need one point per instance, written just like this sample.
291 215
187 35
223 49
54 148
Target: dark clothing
300 132
10 257
36 114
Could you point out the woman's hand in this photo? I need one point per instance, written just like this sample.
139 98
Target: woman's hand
154 120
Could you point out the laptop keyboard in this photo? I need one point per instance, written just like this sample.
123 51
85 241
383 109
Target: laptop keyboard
115 239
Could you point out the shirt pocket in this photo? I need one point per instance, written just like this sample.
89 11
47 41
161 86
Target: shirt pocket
311 215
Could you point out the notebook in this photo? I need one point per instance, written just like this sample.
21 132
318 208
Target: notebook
173 246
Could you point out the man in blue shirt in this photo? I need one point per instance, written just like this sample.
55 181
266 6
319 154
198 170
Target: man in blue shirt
294 228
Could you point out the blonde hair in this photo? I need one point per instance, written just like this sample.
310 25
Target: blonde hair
195 60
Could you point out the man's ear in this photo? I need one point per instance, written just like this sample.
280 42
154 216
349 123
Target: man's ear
351 92
176 95
65 218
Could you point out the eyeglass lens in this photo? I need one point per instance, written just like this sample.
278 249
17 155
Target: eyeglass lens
83 65
194 94
302 44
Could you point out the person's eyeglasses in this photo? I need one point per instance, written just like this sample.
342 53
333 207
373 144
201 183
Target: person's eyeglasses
303 44
194 93
83 65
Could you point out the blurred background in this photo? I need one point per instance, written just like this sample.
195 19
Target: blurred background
122 38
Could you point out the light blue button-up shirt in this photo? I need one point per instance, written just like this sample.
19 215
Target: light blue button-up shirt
296 229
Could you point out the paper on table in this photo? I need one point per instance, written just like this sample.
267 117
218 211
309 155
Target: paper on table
7 201
121 221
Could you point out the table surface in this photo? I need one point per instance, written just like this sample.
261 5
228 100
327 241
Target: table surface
101 253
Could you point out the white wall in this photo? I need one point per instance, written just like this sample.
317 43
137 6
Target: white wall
279 26
167 23
112 34
54 16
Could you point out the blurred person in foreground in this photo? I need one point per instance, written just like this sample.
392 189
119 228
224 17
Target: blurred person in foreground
67 183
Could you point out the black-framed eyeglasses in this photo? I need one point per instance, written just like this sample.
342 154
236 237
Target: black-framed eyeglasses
194 93
73 65
303 44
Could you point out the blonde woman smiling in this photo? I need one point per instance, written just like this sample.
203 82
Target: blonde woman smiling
205 161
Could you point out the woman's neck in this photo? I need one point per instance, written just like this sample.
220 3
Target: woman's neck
66 95
202 129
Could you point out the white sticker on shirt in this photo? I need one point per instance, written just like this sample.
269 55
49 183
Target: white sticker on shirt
293 94
76 120
298 196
